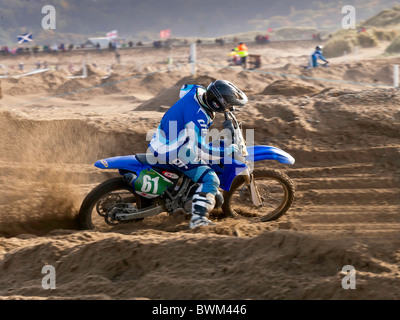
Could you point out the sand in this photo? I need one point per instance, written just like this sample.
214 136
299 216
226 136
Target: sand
344 137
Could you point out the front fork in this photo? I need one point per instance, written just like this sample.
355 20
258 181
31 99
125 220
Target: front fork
251 184
237 136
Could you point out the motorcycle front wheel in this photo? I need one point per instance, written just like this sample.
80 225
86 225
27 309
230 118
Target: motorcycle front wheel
276 190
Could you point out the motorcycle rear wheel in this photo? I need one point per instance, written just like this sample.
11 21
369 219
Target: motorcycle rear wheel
94 207
277 192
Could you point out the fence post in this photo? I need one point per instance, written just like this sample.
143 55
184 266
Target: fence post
170 60
84 69
193 57
396 76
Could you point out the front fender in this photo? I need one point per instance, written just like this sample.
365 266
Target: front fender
258 153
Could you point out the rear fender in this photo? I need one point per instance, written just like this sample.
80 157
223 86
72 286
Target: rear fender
129 163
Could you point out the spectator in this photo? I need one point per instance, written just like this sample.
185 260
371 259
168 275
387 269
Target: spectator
242 51
117 56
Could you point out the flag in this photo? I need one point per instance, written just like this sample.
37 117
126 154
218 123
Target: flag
27 37
165 33
112 34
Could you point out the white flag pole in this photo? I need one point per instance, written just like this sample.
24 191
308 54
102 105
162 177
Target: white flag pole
193 57
396 76
170 60
84 70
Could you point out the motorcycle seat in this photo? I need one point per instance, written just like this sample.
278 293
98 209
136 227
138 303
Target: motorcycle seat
151 160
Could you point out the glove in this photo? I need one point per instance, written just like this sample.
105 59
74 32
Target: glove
232 149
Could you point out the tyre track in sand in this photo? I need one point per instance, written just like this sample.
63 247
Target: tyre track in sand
355 199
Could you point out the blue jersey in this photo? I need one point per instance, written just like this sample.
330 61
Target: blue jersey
315 56
183 129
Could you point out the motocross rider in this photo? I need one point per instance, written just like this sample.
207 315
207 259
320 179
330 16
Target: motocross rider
180 141
317 54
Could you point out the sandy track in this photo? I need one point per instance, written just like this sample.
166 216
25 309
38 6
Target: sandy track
346 144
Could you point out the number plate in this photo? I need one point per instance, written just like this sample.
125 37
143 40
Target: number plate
151 184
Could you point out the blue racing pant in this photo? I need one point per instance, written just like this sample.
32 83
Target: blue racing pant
199 172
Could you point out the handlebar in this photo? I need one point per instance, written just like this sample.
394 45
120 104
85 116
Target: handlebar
233 126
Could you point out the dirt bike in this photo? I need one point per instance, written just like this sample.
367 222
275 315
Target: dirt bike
323 65
260 195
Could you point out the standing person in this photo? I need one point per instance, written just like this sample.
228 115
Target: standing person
243 52
180 140
117 56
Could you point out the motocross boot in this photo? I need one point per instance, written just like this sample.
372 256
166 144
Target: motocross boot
202 204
